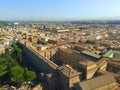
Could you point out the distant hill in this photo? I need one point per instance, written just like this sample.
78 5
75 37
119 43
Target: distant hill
1 24
115 18
109 21
5 23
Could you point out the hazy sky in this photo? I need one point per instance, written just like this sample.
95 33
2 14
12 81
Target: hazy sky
58 9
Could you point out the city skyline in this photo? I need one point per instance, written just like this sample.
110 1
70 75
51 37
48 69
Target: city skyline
53 10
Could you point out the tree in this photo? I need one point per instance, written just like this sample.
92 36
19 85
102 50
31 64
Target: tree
73 42
16 74
2 60
7 60
29 75
54 31
91 42
2 70
9 65
17 53
3 66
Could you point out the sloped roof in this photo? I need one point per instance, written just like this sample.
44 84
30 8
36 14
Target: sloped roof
107 54
102 60
87 63
68 71
91 54
96 82
80 47
116 51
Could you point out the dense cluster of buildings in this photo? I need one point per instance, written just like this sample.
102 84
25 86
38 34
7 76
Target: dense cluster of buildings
69 56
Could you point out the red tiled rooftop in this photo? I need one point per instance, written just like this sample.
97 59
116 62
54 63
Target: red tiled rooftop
101 60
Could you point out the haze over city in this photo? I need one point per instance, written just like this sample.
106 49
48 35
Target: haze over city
55 10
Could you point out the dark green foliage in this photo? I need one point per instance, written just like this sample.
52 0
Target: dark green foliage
9 60
17 53
3 66
2 70
73 42
54 31
91 42
16 74
1 39
29 75
11 69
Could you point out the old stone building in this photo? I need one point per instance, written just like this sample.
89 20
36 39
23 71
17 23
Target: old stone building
78 69
68 77
2 48
86 62
103 82
114 65
88 68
